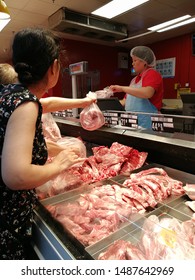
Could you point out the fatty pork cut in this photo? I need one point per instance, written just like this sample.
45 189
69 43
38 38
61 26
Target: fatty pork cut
155 183
161 238
104 163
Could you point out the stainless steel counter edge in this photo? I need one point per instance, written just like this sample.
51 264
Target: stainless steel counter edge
188 141
45 242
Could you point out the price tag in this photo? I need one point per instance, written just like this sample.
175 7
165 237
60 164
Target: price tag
129 120
60 114
164 124
111 118
63 114
69 113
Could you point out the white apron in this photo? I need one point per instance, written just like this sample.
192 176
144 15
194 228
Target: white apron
136 104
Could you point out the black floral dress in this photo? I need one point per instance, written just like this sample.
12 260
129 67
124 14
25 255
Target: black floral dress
16 207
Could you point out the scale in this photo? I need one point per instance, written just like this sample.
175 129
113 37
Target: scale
79 68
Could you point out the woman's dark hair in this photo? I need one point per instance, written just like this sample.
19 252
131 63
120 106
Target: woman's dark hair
34 50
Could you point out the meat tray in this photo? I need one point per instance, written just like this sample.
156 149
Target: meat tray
128 225
69 195
179 204
173 173
184 177
134 232
66 200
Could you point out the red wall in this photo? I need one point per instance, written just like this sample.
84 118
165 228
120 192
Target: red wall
181 49
99 57
105 59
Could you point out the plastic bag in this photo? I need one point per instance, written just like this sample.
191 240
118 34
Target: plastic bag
50 128
73 142
105 93
190 191
91 117
63 182
191 205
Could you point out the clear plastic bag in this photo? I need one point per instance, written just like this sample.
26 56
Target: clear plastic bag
105 93
50 128
74 143
91 117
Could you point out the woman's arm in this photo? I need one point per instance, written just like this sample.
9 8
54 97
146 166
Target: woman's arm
52 104
142 92
17 170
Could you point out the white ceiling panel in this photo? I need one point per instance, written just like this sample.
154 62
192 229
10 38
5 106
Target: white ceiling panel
26 13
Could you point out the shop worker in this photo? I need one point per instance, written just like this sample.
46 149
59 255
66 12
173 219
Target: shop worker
23 151
145 92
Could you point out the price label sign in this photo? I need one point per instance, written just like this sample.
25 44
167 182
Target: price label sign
111 118
129 120
163 124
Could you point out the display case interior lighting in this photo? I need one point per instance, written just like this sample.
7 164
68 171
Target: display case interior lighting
117 7
4 12
169 24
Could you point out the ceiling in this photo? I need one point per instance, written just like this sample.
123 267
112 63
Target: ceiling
28 13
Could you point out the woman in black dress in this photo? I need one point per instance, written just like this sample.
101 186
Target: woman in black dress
23 151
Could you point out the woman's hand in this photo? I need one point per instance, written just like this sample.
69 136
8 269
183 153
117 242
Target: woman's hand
53 148
116 88
88 101
66 158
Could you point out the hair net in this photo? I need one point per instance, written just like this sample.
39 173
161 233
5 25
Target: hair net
144 53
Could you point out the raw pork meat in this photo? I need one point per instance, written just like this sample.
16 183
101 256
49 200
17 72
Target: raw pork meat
109 162
105 163
190 190
155 183
51 130
91 118
191 205
168 238
94 215
161 239
122 250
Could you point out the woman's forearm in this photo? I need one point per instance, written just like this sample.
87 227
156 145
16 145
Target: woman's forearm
143 92
52 104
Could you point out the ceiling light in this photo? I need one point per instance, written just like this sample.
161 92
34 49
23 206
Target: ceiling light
3 23
134 37
117 7
177 25
167 23
4 12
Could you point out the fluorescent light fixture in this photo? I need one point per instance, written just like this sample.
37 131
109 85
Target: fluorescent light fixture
3 23
177 25
134 37
167 23
4 12
117 7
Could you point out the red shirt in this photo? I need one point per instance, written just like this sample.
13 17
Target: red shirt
153 79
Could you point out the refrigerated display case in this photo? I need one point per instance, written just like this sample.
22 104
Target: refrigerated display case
173 152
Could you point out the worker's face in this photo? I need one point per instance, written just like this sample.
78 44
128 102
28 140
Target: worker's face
138 64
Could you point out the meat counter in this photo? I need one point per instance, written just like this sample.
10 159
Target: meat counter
176 150
170 151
